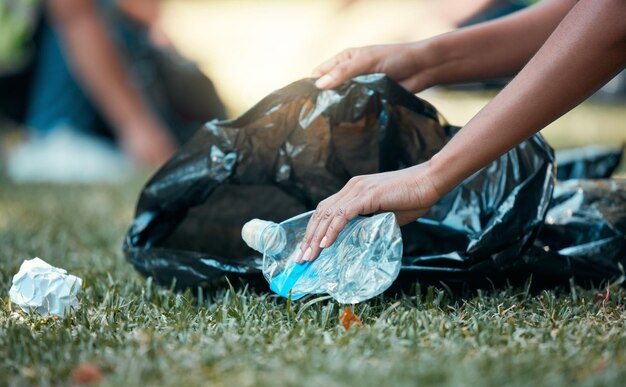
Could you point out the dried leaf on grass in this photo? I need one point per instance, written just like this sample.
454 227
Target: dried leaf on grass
85 374
602 298
348 318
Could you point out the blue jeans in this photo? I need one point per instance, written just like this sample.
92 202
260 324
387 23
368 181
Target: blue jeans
55 98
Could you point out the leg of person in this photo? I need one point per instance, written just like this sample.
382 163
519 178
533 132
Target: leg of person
56 100
64 145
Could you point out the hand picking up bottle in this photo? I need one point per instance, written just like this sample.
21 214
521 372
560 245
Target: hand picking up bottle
362 263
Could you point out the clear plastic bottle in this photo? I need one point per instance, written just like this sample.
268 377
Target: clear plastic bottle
362 263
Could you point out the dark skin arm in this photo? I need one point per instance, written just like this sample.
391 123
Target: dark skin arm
586 49
488 50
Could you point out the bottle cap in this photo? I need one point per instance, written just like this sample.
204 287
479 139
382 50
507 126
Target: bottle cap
251 233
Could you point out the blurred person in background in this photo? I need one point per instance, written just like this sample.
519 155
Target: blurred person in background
79 72
559 52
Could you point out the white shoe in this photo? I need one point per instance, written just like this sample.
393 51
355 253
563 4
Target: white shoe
68 156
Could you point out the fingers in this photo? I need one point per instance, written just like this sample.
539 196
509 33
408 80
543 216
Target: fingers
409 193
314 246
327 65
306 251
338 223
330 220
158 153
148 144
332 215
325 231
342 67
343 57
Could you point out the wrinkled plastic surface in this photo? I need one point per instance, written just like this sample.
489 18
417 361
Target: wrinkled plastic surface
362 263
590 162
584 235
299 145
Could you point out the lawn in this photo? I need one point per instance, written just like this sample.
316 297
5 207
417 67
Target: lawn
137 333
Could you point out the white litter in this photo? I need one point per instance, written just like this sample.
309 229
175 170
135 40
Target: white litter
45 289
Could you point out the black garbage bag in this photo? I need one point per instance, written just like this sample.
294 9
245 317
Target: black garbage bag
590 162
298 146
584 235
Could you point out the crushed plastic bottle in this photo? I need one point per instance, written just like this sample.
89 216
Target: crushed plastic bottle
362 263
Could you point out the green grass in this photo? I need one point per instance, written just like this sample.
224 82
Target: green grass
140 334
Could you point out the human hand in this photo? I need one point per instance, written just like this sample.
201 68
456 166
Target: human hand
159 37
148 144
407 64
409 193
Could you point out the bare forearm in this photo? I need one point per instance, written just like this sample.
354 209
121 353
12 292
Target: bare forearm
97 63
587 48
497 48
145 12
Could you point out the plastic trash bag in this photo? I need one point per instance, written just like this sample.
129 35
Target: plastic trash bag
584 235
590 162
299 145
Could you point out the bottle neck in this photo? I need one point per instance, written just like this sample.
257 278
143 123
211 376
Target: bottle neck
264 236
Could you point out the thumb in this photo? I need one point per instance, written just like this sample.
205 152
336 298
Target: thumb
342 72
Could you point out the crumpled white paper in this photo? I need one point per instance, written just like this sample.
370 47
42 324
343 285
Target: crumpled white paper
45 289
